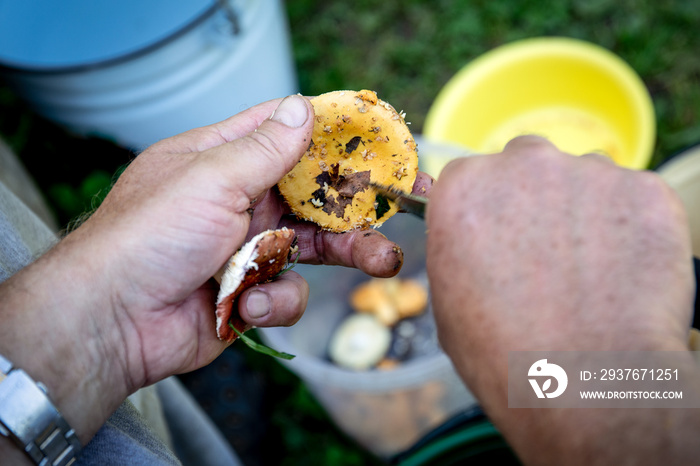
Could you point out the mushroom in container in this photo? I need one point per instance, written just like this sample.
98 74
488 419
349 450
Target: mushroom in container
363 339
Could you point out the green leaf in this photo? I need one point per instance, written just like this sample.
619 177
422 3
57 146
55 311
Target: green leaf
260 348
289 266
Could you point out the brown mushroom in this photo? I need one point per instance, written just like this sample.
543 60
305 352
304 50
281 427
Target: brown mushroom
258 261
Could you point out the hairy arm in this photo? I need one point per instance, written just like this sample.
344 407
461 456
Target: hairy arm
533 249
127 299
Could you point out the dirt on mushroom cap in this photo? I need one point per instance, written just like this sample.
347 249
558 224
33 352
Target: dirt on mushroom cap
356 138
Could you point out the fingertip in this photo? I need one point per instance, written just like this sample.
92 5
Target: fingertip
424 182
293 111
278 303
258 304
375 255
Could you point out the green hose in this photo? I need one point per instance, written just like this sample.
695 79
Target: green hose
477 443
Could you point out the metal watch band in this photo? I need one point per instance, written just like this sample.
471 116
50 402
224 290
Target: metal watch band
28 416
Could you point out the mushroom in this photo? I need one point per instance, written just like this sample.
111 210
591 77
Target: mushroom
258 261
360 342
357 139
390 299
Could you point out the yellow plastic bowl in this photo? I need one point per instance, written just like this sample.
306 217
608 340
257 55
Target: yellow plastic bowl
578 95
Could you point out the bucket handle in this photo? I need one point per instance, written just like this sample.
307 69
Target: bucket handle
234 24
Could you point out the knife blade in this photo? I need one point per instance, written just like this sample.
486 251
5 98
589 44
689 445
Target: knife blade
410 203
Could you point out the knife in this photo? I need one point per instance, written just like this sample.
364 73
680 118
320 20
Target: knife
408 202
416 205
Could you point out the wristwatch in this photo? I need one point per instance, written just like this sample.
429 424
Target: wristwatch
28 417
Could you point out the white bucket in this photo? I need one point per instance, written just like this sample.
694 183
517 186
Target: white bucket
136 72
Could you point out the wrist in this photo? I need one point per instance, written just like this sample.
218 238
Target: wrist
50 333
30 419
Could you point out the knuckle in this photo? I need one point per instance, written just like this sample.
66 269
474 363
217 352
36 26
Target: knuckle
264 145
657 191
661 206
530 145
456 177
541 155
599 157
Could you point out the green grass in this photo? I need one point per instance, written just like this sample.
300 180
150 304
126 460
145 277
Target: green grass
406 50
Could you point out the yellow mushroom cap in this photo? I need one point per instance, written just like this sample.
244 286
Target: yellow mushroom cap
390 299
356 138
410 298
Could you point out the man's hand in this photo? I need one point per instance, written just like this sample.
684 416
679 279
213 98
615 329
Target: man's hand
127 299
533 249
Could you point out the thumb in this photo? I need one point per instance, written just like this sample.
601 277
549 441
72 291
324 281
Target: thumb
265 155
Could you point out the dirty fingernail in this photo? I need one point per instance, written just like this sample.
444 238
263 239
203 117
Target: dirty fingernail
258 304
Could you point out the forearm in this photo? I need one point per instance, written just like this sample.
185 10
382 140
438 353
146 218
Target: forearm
50 330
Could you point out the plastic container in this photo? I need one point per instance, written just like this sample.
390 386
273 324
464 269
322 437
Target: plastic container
385 411
136 72
433 156
579 95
